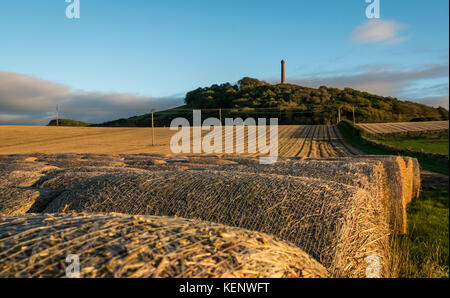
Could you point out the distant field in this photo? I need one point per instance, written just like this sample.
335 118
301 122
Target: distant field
378 145
294 140
43 139
439 146
401 127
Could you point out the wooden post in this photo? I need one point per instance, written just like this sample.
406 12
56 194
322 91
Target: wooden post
220 115
57 116
354 121
339 114
153 128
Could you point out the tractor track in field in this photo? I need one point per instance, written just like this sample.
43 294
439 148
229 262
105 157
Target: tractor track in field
317 141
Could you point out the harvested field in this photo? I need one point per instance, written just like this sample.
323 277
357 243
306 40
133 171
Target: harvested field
113 245
314 141
339 220
294 140
401 127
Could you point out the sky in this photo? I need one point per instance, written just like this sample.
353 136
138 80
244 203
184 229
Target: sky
123 58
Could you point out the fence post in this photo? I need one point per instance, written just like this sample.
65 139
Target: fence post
220 115
354 121
153 128
57 116
339 114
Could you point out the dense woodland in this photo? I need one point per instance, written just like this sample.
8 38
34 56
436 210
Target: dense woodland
291 104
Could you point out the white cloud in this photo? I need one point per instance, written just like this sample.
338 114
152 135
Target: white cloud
28 100
378 30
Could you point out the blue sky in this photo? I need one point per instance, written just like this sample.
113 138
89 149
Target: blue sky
123 57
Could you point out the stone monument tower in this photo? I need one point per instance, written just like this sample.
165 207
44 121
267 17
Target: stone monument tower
283 78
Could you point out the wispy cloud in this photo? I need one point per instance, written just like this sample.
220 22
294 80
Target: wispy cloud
378 30
28 100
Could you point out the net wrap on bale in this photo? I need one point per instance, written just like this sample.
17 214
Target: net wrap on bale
331 221
115 245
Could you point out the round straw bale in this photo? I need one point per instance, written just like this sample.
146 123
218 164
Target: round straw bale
15 201
400 188
337 224
68 160
414 166
241 159
23 178
7 166
402 185
210 160
399 192
114 245
410 172
364 174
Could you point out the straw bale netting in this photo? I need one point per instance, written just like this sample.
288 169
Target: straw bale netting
366 173
414 164
114 245
9 165
403 171
21 171
22 178
211 160
241 159
400 171
412 168
150 162
401 182
161 163
167 166
14 201
338 224
70 177
69 160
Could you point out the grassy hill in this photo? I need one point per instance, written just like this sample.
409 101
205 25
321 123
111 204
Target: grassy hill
291 104
68 122
162 118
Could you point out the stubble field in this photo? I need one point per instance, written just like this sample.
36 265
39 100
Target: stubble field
402 127
295 140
